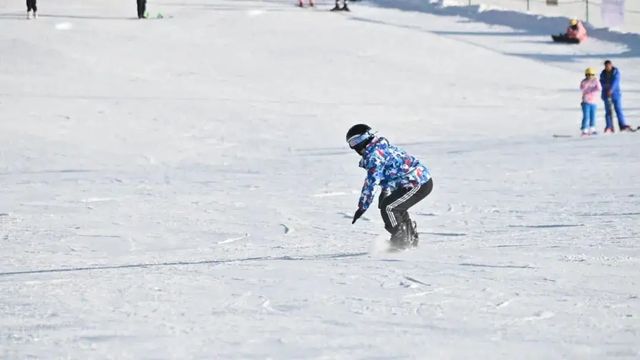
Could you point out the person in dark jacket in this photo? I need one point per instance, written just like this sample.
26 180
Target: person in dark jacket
142 8
612 97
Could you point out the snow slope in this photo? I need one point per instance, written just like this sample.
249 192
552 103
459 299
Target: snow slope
566 9
180 188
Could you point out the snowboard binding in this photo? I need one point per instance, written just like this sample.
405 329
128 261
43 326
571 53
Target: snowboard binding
405 236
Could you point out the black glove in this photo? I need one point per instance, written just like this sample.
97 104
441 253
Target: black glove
357 215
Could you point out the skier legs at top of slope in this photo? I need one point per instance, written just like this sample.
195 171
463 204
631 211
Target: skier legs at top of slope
403 179
301 3
575 34
32 6
345 6
142 8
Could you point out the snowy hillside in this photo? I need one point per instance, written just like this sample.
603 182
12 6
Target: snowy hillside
595 12
180 187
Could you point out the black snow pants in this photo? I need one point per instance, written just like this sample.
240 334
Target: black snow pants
395 205
31 5
142 8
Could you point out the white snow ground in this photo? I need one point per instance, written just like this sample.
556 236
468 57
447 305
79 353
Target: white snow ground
180 188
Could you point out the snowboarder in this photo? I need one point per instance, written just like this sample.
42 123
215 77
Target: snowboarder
575 34
31 6
142 8
590 87
403 179
301 3
345 6
612 97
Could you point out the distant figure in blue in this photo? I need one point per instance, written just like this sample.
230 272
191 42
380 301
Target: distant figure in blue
403 179
612 97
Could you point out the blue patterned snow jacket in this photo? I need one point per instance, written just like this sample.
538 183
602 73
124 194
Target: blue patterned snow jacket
391 168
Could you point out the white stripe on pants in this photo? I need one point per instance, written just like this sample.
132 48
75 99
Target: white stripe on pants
405 197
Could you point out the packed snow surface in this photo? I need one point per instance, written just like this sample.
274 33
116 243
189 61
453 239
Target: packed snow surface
181 188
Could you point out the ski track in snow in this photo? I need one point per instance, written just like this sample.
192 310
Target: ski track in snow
180 188
233 239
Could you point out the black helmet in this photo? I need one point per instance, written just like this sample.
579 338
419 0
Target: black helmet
359 136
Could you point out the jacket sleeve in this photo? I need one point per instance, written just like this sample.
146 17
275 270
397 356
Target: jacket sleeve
603 85
375 170
615 82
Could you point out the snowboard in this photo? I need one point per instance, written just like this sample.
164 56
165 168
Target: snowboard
562 39
396 245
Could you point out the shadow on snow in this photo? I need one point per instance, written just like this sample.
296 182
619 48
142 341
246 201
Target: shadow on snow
187 263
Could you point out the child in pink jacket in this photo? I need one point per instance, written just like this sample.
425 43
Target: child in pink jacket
591 89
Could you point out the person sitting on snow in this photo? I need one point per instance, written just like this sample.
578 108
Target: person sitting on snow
576 31
575 34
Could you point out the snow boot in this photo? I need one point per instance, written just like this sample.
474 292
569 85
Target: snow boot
401 237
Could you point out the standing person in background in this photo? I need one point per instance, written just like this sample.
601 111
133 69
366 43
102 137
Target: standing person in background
612 97
345 6
590 87
142 8
31 6
301 3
